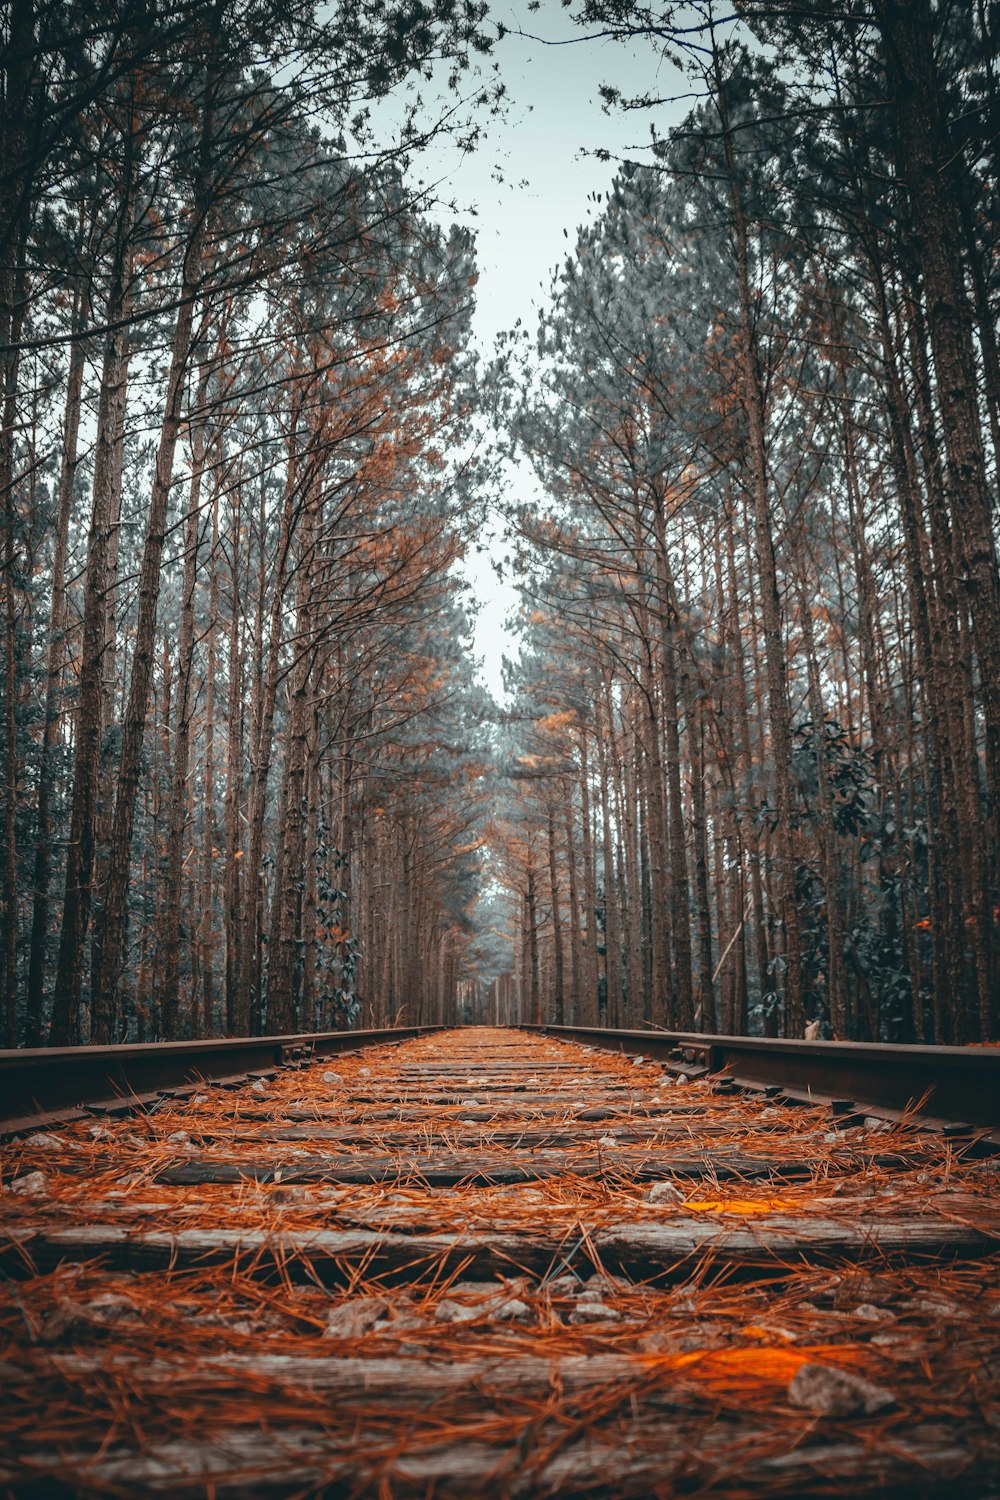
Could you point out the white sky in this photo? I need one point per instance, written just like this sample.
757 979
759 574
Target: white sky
554 117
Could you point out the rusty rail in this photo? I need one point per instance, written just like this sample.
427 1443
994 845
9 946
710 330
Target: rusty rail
59 1083
494 1263
951 1085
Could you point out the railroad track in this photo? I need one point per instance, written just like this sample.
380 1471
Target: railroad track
495 1263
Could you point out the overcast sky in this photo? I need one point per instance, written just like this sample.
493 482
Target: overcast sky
554 118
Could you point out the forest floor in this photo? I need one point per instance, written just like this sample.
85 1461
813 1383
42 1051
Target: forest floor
488 1263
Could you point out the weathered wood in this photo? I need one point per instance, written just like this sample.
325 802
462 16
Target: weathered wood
732 1455
637 1250
449 1169
405 1109
388 1378
246 1400
471 1129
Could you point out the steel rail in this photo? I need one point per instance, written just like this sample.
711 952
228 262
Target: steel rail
946 1085
40 1084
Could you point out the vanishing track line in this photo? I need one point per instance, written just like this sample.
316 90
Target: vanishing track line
491 1263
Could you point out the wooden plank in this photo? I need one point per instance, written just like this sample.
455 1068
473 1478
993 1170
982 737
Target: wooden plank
521 1138
732 1456
448 1169
166 1403
347 1115
636 1250
396 1378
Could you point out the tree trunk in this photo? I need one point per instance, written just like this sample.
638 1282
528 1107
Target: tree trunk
928 167
637 998
237 1004
703 1018
19 86
576 956
206 936
262 727
752 399
65 1025
177 814
105 985
612 915
682 1006
307 1011
58 627
558 996
531 912
590 1008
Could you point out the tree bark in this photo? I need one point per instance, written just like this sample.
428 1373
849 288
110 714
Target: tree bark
57 632
105 985
558 996
183 709
753 404
65 1024
928 166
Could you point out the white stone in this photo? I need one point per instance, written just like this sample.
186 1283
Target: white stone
899 1345
683 1304
934 1307
594 1312
514 1311
566 1285
31 1185
664 1192
449 1311
109 1307
870 1312
351 1319
834 1393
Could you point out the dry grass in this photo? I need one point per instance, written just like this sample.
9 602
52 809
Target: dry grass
98 1361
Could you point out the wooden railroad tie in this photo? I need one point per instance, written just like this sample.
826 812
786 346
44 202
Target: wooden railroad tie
492 1263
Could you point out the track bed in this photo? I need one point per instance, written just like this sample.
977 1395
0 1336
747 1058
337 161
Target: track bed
488 1263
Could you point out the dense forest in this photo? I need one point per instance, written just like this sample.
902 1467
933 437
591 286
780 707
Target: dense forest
746 772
